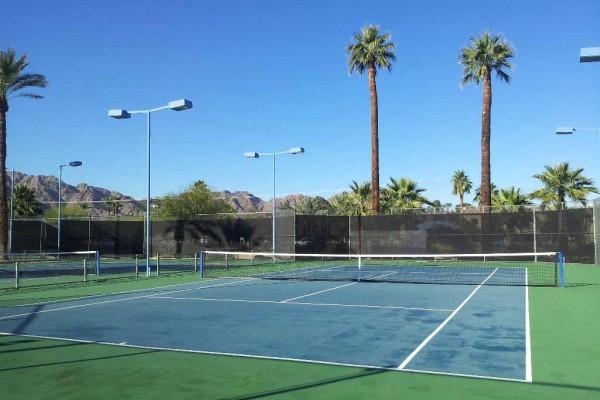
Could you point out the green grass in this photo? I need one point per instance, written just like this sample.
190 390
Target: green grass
565 327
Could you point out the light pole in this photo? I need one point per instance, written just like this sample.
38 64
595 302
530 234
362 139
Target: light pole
12 202
71 164
177 105
295 150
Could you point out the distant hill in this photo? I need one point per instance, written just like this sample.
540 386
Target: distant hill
46 192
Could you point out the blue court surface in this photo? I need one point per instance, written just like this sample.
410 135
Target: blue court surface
466 330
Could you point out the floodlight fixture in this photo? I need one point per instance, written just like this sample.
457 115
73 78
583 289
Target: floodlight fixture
180 105
119 114
589 54
565 130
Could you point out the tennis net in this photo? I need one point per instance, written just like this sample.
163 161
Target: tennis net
502 269
30 269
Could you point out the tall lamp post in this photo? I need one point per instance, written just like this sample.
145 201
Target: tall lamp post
295 150
177 105
71 164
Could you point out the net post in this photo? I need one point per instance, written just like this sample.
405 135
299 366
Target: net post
17 275
359 266
561 272
227 260
97 263
85 270
137 266
201 267
195 262
157 264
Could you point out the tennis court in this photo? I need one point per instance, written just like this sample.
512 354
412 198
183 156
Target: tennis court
467 330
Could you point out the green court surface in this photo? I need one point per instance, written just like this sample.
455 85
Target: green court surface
565 336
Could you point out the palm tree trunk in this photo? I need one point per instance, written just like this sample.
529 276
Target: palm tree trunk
374 141
486 118
462 203
486 197
3 197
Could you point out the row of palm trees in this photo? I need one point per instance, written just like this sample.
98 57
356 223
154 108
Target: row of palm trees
371 50
560 183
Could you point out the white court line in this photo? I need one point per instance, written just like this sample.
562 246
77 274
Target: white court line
439 328
528 369
321 291
303 303
114 300
262 357
92 296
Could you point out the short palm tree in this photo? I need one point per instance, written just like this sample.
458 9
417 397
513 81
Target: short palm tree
113 204
486 54
510 198
403 195
26 204
308 206
461 184
493 189
561 182
12 81
358 198
369 51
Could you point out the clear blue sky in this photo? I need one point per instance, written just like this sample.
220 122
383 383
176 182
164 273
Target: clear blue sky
267 75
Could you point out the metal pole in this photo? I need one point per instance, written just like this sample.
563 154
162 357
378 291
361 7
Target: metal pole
534 235
59 205
148 237
274 211
12 202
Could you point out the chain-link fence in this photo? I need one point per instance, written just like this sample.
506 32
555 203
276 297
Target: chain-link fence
574 231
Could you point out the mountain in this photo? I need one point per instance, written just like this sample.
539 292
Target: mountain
46 192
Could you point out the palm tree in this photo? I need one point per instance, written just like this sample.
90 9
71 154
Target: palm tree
26 204
510 198
493 189
12 80
403 195
369 51
561 182
486 54
113 204
461 184
358 198
308 206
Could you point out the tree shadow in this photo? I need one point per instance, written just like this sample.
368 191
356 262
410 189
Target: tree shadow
295 388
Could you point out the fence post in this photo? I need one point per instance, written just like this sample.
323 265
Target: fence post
534 235
17 275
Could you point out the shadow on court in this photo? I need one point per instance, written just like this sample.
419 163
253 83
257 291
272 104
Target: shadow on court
63 346
362 373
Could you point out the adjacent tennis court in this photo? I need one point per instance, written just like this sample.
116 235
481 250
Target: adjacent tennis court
470 330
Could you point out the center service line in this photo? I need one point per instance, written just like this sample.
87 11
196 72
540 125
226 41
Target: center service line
439 328
320 291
